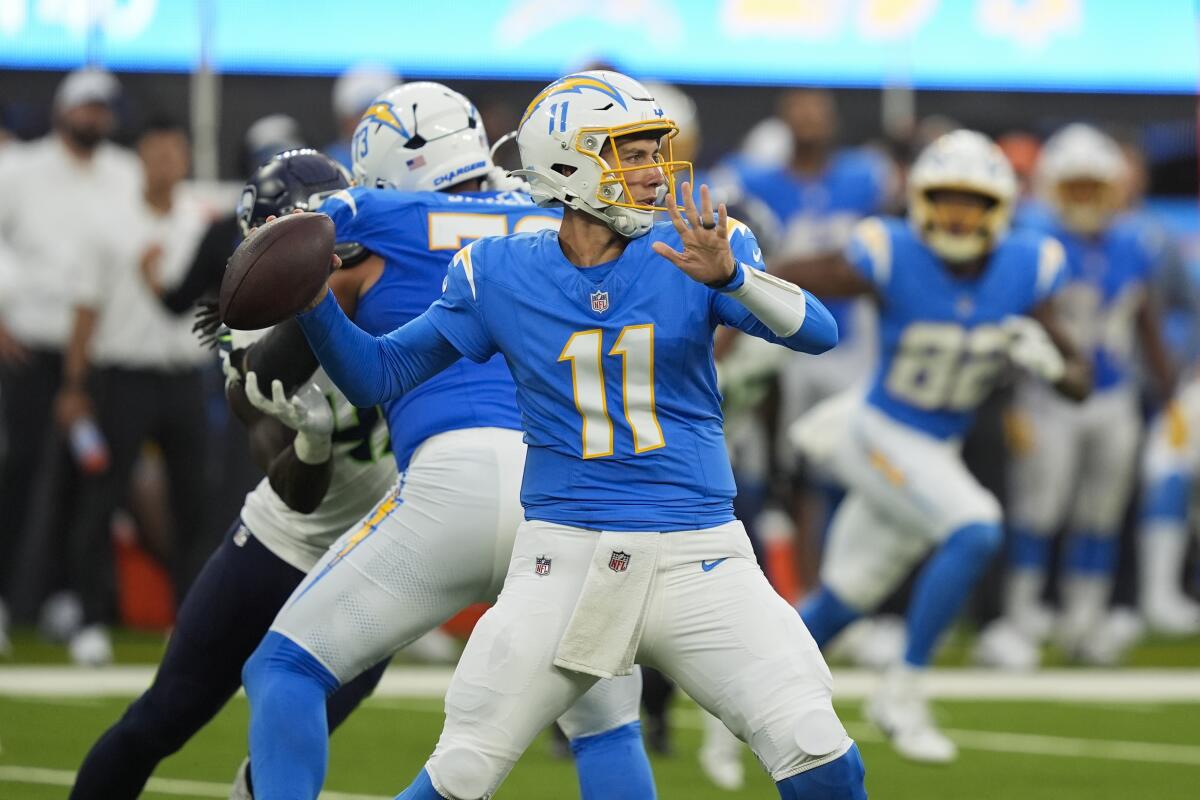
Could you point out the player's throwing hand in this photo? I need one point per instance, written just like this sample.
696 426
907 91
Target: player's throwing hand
706 256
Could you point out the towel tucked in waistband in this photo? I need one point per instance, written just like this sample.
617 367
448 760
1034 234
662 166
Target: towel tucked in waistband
605 629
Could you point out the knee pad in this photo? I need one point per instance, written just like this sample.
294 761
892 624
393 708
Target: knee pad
461 773
816 733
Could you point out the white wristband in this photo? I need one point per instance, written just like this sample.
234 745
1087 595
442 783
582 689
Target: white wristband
313 448
778 304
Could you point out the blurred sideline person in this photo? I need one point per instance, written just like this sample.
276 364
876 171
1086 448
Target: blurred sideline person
233 470
74 173
442 539
353 92
327 463
961 301
136 370
630 551
1076 465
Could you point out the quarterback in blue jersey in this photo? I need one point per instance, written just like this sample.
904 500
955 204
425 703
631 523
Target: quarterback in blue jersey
1076 465
630 551
960 300
442 539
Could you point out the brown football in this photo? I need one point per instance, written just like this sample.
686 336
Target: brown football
277 271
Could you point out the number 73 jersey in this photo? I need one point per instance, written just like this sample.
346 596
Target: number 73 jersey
614 372
942 345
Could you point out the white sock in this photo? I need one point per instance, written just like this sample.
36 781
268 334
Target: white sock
1162 547
1085 601
1023 596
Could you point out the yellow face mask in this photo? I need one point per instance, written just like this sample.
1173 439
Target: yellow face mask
614 188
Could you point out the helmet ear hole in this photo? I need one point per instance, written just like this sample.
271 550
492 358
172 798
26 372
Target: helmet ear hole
566 170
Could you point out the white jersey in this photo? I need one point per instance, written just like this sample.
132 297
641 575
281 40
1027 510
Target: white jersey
363 472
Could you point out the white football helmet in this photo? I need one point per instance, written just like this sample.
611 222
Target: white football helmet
566 127
419 137
962 161
680 109
1081 174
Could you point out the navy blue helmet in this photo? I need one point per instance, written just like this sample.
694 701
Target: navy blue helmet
294 180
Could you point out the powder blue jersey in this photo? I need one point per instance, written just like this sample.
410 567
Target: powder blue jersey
1107 278
941 345
814 215
416 234
614 372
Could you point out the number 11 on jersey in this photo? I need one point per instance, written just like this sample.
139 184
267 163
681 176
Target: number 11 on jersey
635 347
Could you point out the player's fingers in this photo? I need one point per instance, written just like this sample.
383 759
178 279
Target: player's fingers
706 206
689 206
335 263
722 221
676 220
252 392
669 253
277 394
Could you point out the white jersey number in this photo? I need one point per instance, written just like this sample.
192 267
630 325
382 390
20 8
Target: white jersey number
448 229
941 366
635 347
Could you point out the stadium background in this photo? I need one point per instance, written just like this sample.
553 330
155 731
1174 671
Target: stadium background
994 65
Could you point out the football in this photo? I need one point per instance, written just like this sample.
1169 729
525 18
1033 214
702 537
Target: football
276 272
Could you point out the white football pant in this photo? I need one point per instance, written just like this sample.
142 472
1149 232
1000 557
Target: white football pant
907 493
440 542
721 633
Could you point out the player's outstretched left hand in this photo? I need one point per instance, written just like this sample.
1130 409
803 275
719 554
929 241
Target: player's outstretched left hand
706 256
307 411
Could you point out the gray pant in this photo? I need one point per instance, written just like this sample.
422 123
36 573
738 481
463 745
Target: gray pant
133 406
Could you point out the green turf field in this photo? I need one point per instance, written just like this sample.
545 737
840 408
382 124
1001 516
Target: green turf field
384 744
1010 750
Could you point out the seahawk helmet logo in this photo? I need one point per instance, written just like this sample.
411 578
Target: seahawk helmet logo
599 302
618 561
541 566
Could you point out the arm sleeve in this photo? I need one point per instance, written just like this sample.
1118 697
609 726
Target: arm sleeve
371 370
817 332
207 268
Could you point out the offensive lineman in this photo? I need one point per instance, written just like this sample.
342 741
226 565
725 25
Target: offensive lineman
326 465
630 551
442 540
960 299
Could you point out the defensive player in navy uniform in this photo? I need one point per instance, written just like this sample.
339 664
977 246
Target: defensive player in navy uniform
630 551
959 302
443 538
327 465
1076 465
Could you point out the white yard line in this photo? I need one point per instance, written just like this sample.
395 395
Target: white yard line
168 786
1062 685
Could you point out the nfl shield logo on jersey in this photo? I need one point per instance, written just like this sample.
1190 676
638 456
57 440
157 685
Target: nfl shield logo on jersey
599 302
541 566
618 561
